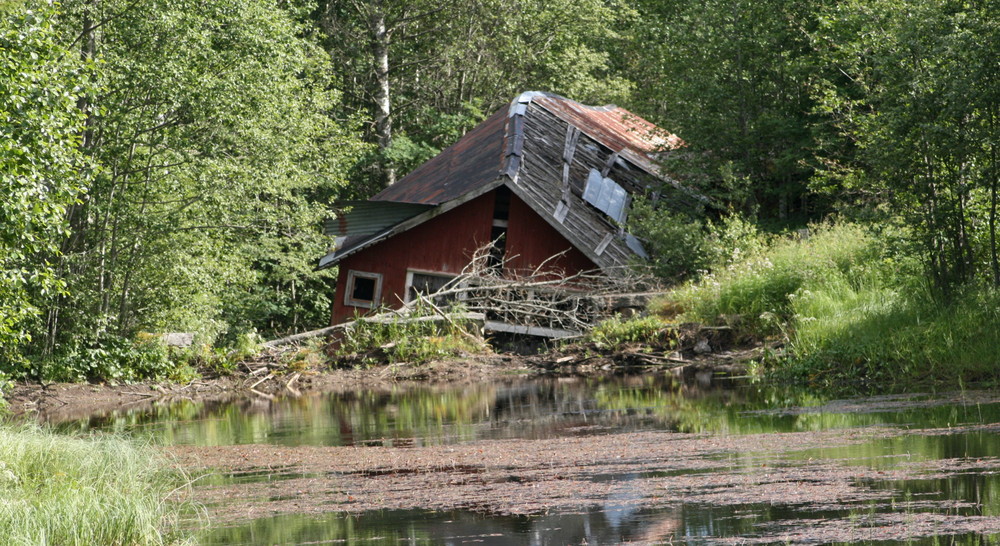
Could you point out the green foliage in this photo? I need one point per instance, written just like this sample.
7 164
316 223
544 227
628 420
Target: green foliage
109 358
452 64
880 339
855 312
405 342
203 357
681 245
734 238
677 243
619 331
5 385
41 168
212 127
912 90
730 77
759 292
60 490
247 345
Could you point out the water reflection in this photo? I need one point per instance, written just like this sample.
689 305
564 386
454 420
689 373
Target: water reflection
958 471
596 526
692 525
435 415
520 409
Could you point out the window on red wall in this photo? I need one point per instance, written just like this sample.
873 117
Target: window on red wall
425 283
363 289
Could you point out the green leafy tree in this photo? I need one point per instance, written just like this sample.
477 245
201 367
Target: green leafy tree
915 96
425 72
731 78
41 168
218 154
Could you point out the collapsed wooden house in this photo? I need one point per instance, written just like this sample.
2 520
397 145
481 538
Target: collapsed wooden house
548 180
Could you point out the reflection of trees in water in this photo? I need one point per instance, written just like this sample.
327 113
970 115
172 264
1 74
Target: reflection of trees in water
596 526
428 415
410 416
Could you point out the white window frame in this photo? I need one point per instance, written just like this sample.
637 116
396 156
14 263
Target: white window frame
409 281
349 300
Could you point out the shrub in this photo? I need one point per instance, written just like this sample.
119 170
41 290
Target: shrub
108 357
678 245
220 360
618 331
734 239
681 246
413 342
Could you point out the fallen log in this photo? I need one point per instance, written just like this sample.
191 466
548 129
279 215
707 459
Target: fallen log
386 318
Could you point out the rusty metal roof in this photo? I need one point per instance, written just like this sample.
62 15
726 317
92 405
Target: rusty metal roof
476 159
479 157
611 125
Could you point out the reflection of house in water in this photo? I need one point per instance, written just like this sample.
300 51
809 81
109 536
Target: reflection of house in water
545 176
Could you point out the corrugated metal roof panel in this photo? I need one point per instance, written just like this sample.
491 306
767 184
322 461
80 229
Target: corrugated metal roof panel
606 195
615 127
359 218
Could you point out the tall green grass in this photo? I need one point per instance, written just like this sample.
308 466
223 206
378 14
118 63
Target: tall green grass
760 290
855 313
61 490
883 340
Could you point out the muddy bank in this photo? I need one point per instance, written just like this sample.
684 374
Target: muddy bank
56 402
267 376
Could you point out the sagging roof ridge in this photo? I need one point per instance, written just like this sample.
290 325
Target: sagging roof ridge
508 168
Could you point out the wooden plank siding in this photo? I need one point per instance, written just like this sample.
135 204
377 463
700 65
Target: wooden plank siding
540 184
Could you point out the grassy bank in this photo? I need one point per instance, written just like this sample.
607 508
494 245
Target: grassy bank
61 490
854 311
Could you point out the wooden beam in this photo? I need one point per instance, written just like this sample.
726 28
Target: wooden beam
554 333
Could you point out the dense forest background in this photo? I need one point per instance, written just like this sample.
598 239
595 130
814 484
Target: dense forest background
165 165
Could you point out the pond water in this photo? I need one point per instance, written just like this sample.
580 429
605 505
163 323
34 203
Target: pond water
953 498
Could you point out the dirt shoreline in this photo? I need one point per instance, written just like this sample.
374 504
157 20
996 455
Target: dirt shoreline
60 402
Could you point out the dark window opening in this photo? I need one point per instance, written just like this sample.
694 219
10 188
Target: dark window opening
498 234
501 206
363 289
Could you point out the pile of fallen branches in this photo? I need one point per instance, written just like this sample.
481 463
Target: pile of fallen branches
543 297
491 291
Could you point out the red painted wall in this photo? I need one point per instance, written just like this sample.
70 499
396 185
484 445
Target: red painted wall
445 244
531 241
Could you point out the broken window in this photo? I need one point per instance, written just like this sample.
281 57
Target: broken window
606 195
425 283
363 289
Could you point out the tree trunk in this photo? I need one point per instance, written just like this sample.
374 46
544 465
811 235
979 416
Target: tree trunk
991 172
383 105
77 213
